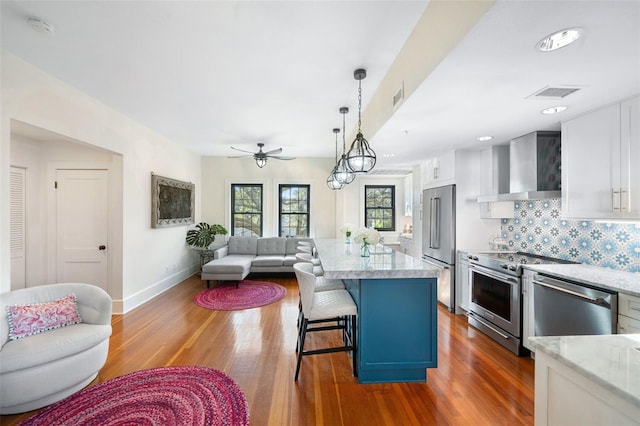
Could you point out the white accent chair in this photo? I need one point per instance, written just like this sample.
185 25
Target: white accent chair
41 369
323 307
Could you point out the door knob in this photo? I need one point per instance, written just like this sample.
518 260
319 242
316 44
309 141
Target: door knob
102 247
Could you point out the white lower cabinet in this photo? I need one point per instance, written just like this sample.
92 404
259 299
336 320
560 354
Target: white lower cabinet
528 320
563 396
462 283
628 314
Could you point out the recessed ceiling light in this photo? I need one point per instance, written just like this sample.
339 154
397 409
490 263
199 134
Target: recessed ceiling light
560 39
40 25
388 155
484 138
554 110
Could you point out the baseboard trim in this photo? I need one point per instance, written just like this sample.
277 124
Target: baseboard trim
122 306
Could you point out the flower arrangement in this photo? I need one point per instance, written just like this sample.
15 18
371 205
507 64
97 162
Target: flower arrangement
367 236
346 229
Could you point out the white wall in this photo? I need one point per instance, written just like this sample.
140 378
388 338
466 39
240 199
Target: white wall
218 173
152 260
353 206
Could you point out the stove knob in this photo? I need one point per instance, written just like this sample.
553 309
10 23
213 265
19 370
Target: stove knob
504 266
513 267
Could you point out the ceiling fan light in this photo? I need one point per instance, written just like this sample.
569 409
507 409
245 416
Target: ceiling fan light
361 158
261 161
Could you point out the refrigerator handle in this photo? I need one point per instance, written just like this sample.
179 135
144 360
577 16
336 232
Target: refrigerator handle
434 239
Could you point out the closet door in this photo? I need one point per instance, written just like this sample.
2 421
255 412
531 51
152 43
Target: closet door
17 183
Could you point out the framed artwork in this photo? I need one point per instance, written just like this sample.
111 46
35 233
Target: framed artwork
172 202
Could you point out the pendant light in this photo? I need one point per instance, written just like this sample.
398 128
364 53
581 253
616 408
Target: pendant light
332 182
360 158
342 172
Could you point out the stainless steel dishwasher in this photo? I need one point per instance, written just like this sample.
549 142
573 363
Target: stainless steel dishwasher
566 308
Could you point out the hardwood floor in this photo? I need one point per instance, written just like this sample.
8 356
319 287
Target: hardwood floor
477 382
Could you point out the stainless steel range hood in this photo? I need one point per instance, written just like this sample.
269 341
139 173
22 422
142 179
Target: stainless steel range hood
534 169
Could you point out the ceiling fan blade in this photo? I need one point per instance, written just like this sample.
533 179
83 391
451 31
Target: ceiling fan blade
242 150
280 157
240 156
273 151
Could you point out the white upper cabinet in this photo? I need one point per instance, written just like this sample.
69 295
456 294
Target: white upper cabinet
601 163
439 171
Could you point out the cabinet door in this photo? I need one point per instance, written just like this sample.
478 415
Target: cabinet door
630 158
628 325
462 283
528 320
591 164
629 305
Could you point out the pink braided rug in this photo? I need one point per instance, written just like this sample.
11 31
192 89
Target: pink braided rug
163 396
249 294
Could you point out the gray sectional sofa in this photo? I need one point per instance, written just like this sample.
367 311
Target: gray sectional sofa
244 255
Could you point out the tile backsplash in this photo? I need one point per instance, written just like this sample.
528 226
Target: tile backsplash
538 228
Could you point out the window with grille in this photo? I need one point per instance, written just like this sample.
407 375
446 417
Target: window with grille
379 207
293 210
246 210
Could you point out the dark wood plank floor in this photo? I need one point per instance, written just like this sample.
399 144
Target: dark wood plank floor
477 382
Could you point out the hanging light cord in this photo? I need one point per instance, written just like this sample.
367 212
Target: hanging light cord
359 103
336 156
344 147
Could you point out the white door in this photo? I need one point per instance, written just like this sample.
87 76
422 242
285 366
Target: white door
82 226
18 228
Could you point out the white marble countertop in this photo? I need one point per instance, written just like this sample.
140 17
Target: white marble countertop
341 260
612 361
620 281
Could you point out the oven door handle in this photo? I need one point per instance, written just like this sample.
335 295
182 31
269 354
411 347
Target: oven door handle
486 324
597 301
489 273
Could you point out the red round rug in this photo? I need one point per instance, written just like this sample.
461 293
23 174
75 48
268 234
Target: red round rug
249 294
163 396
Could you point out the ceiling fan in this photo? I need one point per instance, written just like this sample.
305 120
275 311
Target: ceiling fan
261 156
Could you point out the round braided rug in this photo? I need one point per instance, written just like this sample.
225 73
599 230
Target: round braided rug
163 396
249 294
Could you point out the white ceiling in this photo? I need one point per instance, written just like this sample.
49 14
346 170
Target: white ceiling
211 74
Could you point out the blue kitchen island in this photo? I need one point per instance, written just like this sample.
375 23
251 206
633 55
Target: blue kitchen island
396 297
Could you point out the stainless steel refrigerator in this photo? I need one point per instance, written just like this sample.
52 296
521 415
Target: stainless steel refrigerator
439 238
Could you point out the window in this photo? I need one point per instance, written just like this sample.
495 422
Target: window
246 210
294 210
379 207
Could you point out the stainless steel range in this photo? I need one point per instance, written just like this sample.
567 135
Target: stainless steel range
495 295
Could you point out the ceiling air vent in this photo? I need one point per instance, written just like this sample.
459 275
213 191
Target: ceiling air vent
389 172
398 97
557 92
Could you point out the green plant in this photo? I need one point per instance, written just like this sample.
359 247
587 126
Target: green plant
204 234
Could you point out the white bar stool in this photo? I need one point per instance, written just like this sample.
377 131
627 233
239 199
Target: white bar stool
321 307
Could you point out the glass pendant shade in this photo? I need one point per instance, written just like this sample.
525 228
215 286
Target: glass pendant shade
361 158
261 162
332 182
342 172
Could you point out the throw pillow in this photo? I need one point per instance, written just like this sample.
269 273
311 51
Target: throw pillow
27 320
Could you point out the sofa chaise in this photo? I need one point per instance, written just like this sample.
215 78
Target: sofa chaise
244 255
39 369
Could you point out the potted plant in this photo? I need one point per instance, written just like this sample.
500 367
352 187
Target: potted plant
204 234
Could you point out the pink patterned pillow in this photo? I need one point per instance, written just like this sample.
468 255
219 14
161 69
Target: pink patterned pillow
27 320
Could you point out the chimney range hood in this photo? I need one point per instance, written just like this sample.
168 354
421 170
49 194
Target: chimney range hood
534 169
